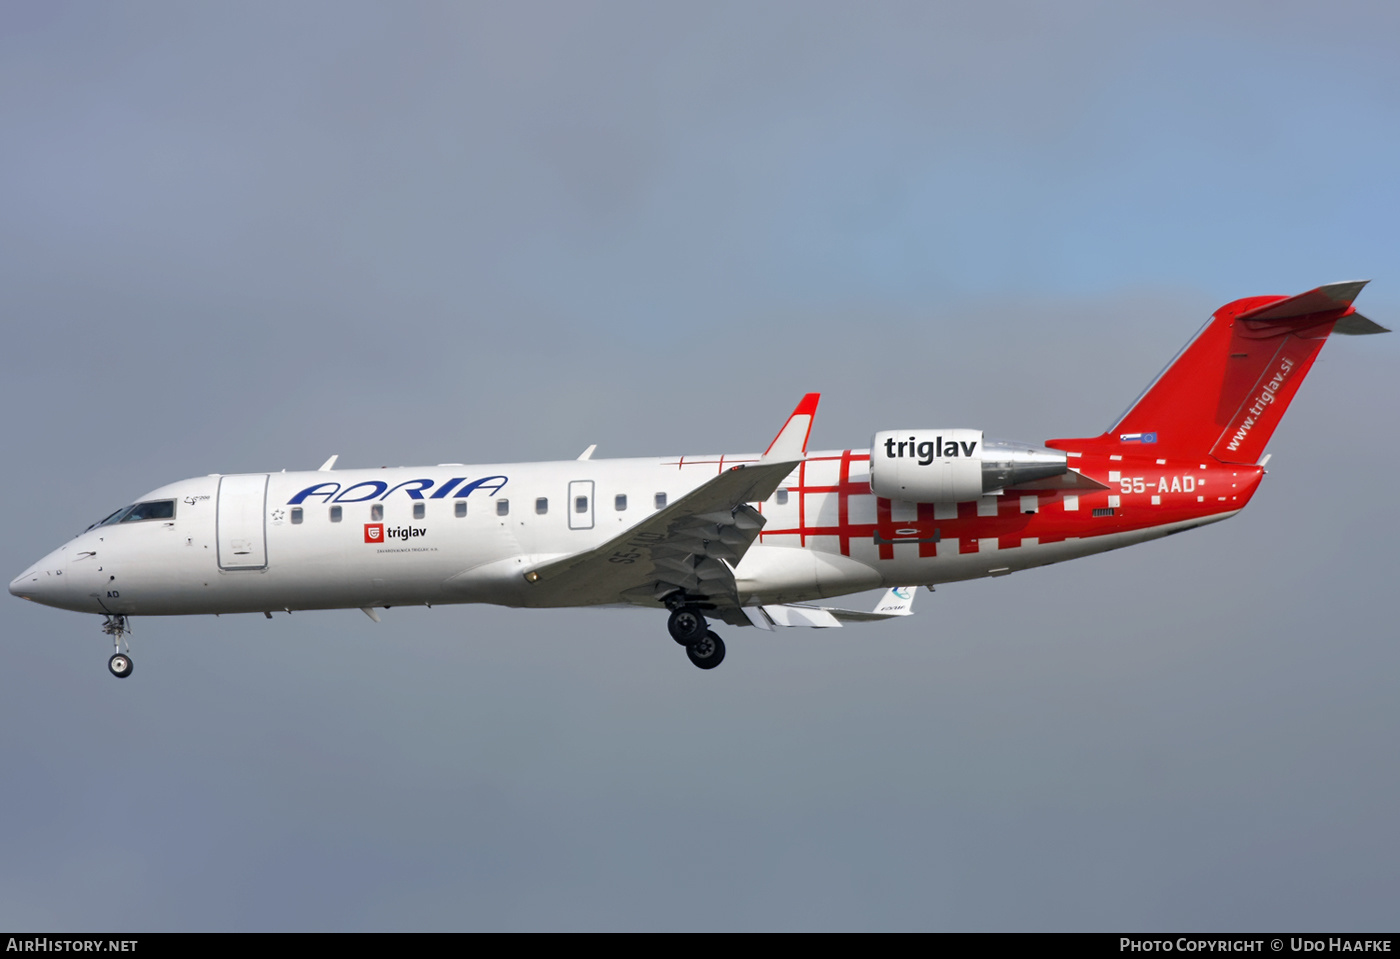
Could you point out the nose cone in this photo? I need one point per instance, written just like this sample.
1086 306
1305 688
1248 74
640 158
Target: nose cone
44 582
25 584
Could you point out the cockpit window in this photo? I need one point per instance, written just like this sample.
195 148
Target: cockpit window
155 509
111 519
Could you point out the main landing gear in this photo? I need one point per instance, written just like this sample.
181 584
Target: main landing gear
689 628
120 663
707 652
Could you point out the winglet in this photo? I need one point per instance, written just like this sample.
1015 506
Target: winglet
329 464
791 441
897 602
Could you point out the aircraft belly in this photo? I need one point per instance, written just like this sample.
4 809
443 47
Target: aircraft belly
951 565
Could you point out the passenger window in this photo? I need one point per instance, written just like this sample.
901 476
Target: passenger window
502 507
542 505
296 515
420 510
376 512
620 502
335 514
461 508
580 504
781 497
660 500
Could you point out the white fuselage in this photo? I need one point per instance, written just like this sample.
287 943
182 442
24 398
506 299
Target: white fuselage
461 534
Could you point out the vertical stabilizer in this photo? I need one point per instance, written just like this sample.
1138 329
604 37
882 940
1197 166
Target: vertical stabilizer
1227 390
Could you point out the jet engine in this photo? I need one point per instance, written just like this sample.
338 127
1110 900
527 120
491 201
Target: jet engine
954 466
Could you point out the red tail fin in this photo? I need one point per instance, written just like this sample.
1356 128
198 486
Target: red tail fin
1226 391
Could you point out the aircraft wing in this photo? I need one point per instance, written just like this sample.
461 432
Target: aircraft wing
896 602
692 544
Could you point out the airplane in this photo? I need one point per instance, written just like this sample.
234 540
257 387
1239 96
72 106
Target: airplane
749 539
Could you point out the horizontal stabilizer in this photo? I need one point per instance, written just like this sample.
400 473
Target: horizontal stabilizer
1333 296
1354 324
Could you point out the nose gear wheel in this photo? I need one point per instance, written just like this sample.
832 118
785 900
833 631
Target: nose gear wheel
116 627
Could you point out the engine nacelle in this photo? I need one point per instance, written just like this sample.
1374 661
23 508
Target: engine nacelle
954 466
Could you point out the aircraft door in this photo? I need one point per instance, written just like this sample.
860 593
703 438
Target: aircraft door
242 531
581 504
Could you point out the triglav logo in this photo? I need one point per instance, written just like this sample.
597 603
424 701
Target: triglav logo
378 533
929 450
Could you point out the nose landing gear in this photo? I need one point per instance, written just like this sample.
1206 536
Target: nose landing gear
120 663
